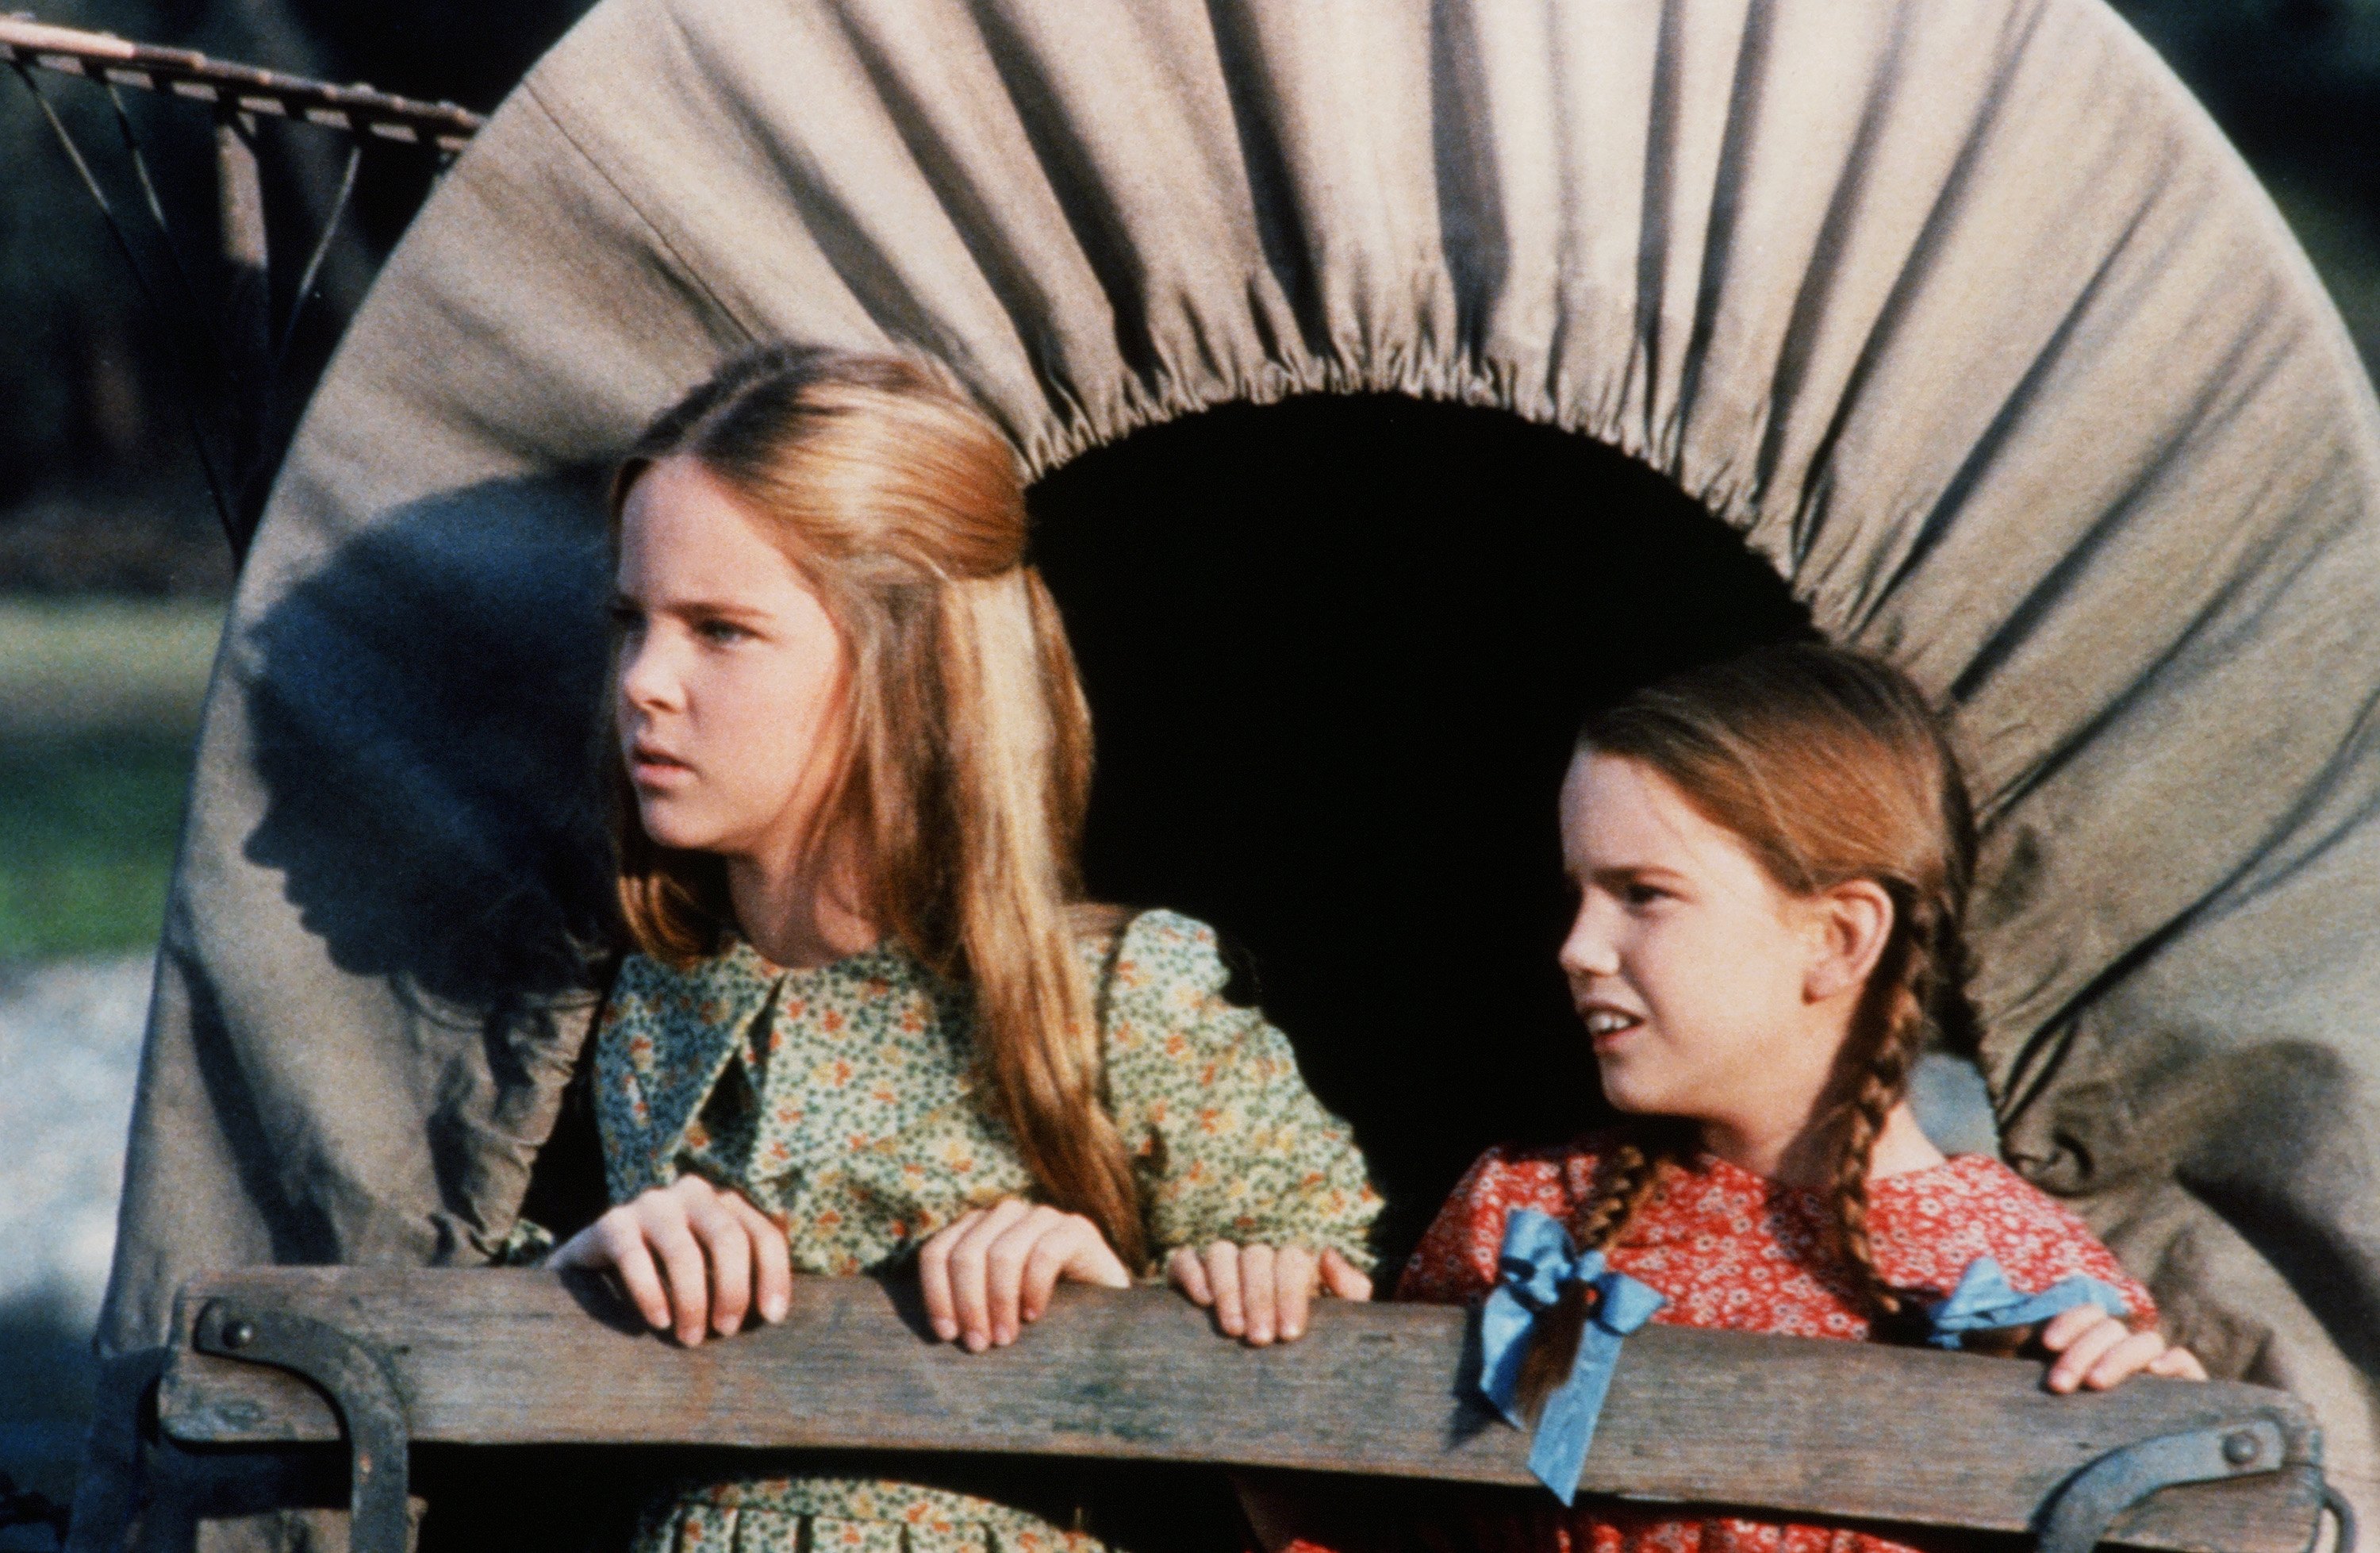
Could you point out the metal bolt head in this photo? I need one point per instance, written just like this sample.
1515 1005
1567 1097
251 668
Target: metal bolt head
2241 1448
239 1334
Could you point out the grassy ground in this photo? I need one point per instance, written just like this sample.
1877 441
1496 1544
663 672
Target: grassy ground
99 706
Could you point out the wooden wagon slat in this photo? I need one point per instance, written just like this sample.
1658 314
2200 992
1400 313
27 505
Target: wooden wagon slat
1786 1425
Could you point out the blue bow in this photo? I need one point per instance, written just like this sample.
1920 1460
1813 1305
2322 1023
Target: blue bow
1536 1264
1985 1300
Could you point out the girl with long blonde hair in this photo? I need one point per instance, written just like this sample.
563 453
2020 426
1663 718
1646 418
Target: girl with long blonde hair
868 1015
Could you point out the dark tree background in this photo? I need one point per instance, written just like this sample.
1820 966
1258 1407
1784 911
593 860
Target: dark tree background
98 486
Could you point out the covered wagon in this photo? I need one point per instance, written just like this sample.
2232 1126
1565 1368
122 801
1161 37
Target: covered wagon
1397 379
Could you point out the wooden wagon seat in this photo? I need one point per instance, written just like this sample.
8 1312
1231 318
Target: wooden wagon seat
1961 316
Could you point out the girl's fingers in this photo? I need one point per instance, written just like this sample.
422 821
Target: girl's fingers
934 1274
2086 1350
1189 1275
688 1278
2068 1325
728 1250
970 1299
772 1262
1258 1295
1294 1276
1344 1278
2125 1360
1003 1267
1068 1246
619 1244
1223 1277
1095 1261
2178 1363
1054 1253
968 1302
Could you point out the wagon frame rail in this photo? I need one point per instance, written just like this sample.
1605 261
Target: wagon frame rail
359 110
231 352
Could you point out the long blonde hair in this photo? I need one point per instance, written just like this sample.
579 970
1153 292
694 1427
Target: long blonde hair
968 738
1829 766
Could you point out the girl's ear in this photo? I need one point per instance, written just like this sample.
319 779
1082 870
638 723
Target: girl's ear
1850 924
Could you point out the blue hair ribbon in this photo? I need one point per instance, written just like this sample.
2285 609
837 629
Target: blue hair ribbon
1985 1300
1537 1262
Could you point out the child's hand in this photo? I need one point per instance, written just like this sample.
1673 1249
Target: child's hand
693 1249
2095 1350
992 1269
1259 1292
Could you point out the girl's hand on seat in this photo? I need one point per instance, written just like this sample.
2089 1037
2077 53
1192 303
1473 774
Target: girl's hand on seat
1260 1292
991 1271
2095 1350
691 1255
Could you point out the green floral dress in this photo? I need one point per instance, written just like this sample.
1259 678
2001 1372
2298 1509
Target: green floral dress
841 1101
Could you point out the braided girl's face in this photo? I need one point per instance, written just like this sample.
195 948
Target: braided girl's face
730 674
1709 992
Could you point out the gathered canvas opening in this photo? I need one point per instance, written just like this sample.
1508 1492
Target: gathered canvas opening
1336 650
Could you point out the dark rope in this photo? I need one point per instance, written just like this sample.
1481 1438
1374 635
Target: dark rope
315 261
148 292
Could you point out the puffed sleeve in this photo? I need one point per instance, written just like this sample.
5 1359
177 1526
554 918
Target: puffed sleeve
2039 1240
1229 1141
1461 1255
1456 1258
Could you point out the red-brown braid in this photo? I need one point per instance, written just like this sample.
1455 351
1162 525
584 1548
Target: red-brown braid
1919 986
1630 1178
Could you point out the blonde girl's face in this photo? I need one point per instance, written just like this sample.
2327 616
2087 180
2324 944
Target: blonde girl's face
1689 966
730 678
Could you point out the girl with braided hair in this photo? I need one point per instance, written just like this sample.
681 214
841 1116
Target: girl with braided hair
1771 856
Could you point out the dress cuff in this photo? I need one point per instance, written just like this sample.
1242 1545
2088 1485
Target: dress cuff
526 1244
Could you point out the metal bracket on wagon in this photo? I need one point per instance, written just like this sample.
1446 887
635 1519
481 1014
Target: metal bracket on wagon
360 1385
2088 1506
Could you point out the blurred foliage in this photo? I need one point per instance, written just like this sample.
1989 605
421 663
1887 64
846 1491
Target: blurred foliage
98 704
87 827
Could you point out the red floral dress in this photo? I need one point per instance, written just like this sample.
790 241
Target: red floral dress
1738 1252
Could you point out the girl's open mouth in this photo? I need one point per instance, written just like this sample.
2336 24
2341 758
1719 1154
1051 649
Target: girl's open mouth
653 768
1608 1025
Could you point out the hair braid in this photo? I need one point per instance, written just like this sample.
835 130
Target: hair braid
1919 986
1882 1082
1629 1179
